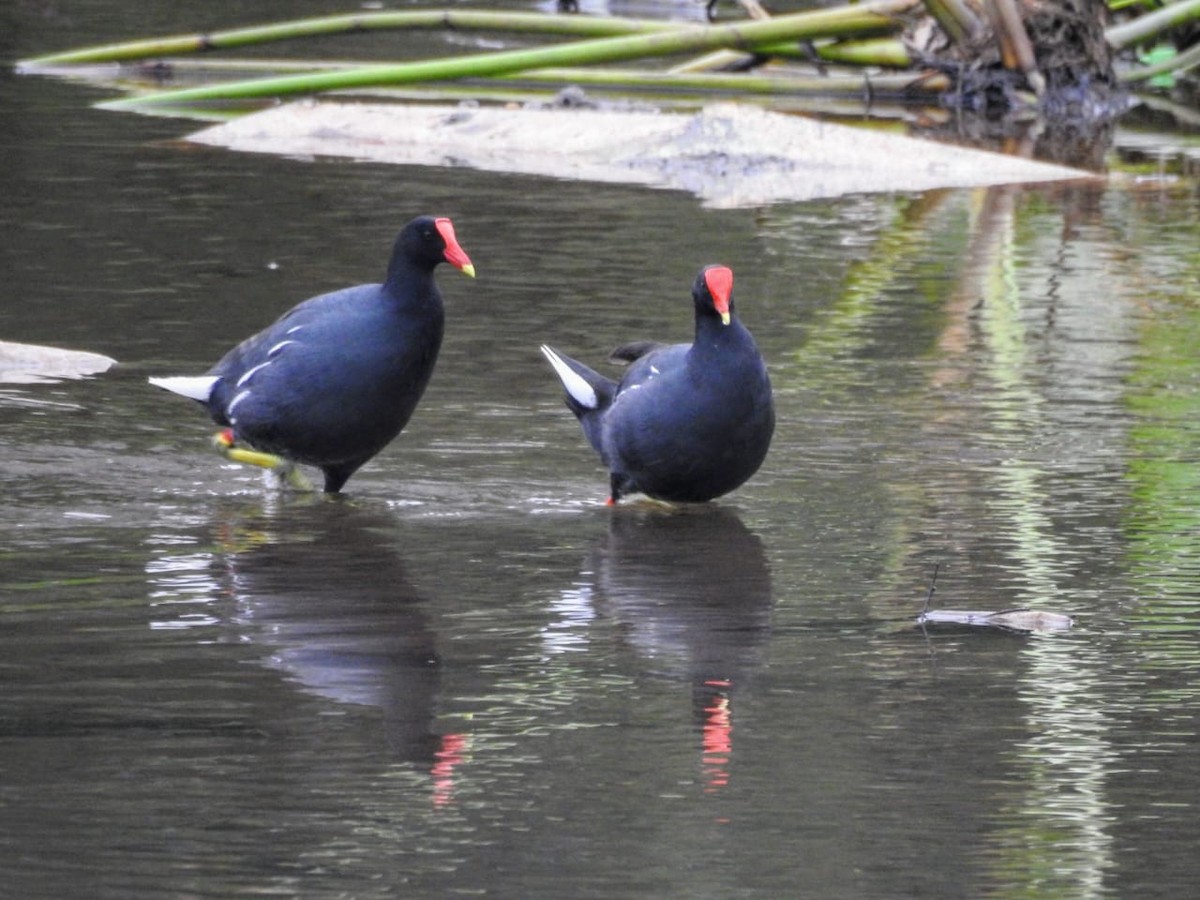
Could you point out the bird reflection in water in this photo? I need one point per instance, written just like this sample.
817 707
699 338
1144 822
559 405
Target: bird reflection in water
690 593
718 736
324 587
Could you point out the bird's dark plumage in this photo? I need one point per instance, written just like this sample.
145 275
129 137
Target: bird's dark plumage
686 422
337 377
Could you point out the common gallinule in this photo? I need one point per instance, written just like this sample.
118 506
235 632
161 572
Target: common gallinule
687 422
337 377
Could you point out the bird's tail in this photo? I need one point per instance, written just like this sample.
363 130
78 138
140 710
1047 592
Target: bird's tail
197 387
587 391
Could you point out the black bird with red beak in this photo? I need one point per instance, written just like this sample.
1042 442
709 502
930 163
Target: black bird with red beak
687 422
337 377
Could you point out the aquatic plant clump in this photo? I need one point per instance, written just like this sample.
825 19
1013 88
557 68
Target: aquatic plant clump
1052 56
1062 59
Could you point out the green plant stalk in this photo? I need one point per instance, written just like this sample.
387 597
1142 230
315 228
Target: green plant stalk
821 23
779 84
481 20
883 52
225 65
867 52
838 86
957 19
722 60
716 61
1148 26
1177 65
887 52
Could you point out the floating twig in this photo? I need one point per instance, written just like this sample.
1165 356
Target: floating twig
1021 619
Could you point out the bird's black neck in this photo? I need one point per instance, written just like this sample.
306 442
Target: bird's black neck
413 283
712 332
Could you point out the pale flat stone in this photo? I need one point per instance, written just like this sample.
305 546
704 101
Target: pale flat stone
727 154
31 363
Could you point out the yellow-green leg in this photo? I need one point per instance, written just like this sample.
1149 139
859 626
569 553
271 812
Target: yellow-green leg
285 469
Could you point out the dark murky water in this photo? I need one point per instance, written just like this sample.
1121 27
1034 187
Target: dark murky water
469 678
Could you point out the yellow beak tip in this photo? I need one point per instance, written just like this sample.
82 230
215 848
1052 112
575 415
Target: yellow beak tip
468 270
725 319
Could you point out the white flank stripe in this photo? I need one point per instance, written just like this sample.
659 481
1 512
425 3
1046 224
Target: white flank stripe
250 372
196 387
278 347
572 382
236 400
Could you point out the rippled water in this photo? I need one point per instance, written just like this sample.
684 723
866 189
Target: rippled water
468 677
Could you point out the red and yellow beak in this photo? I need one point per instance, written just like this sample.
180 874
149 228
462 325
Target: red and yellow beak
455 255
719 281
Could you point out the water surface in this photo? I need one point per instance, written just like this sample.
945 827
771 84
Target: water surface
467 676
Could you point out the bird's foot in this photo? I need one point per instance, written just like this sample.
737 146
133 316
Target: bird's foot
283 469
614 489
288 476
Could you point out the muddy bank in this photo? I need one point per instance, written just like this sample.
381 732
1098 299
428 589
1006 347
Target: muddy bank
727 154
